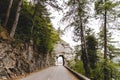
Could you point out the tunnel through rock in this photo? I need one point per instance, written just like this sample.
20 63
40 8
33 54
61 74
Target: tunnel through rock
60 60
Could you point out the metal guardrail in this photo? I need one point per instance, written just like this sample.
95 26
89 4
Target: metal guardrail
79 76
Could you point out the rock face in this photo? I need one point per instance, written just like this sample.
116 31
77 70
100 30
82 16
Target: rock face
63 48
19 59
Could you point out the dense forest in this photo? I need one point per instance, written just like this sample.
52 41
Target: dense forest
23 21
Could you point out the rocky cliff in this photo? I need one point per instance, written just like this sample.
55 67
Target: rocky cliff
22 58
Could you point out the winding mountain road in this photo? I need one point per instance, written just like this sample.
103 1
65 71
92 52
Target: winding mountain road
52 73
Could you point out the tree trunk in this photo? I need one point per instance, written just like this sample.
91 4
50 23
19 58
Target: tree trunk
105 45
12 33
84 55
8 13
84 50
105 34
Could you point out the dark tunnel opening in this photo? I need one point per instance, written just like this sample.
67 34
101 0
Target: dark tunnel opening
60 60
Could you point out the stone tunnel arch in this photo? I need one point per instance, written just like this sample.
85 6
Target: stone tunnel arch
63 59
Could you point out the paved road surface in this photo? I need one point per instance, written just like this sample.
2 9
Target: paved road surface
52 73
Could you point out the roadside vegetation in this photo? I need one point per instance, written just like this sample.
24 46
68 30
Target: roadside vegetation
96 51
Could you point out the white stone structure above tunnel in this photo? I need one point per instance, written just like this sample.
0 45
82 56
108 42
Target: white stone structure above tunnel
63 48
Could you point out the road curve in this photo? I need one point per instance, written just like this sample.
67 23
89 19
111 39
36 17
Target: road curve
52 73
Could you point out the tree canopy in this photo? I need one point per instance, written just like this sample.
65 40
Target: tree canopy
33 24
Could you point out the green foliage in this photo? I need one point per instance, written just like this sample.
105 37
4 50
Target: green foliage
77 66
112 50
40 29
92 43
25 22
44 36
34 24
108 5
111 71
